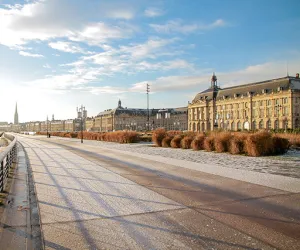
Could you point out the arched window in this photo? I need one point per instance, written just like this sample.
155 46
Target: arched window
198 127
254 125
276 124
261 125
202 126
239 127
268 124
232 126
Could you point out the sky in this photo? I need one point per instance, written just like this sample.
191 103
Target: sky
56 55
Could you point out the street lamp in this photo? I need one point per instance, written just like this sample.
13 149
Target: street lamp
47 125
81 115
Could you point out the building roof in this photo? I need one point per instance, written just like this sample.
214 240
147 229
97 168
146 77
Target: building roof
273 85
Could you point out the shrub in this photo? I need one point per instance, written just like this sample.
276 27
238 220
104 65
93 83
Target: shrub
176 141
222 142
294 139
172 133
237 143
209 144
280 145
158 135
197 143
259 144
186 142
166 142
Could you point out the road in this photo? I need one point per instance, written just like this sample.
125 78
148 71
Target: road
91 197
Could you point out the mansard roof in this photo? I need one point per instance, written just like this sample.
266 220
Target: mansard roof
267 86
136 111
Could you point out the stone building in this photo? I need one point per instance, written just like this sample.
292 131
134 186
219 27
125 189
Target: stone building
270 104
122 118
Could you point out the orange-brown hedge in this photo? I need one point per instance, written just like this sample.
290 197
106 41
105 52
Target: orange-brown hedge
197 143
209 143
158 135
259 144
237 143
222 141
176 141
186 142
166 142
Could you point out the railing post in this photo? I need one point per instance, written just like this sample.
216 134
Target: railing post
1 177
7 164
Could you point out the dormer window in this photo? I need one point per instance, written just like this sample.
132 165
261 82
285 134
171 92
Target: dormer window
236 95
280 88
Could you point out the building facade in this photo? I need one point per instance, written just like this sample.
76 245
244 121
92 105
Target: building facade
271 104
140 119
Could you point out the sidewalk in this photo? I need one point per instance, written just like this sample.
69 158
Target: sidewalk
15 228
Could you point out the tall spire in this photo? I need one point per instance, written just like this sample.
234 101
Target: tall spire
16 118
119 104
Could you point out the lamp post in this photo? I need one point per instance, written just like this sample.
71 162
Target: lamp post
148 115
81 115
47 125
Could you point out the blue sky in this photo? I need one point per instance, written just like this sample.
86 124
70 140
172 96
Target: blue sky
59 54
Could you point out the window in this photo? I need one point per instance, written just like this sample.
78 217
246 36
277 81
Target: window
285 100
239 127
232 126
285 124
254 125
269 102
268 124
246 105
276 124
261 126
277 101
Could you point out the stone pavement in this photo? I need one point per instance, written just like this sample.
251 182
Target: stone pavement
15 230
84 204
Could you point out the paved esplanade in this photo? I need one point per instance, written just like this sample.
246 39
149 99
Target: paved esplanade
91 198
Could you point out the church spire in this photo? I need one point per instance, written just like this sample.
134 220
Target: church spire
119 104
16 118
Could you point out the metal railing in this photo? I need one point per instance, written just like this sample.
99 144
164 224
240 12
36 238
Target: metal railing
7 158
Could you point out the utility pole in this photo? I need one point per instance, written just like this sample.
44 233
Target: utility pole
47 125
148 115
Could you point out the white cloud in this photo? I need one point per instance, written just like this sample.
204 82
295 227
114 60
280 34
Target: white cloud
43 20
99 33
46 66
106 90
252 73
177 26
153 12
24 53
67 47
